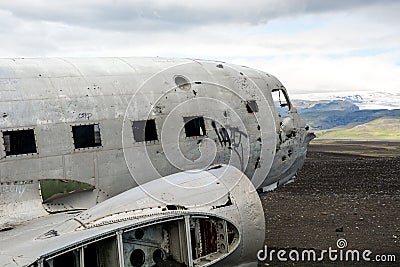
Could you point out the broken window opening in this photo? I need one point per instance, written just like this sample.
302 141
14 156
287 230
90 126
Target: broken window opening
18 142
251 106
144 131
194 126
281 101
86 136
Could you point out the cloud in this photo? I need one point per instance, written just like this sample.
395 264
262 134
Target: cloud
320 74
153 15
311 45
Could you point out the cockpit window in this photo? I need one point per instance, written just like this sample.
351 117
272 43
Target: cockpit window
281 101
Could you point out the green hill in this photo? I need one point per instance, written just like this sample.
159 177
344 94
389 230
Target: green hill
328 119
328 114
379 129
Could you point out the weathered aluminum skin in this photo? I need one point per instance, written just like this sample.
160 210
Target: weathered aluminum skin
53 95
202 193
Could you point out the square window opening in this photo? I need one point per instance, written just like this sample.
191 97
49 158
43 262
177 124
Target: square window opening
19 142
194 126
251 106
144 131
86 136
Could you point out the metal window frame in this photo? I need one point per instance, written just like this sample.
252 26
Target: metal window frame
94 129
3 145
195 117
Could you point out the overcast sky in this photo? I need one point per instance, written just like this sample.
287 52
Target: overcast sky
310 45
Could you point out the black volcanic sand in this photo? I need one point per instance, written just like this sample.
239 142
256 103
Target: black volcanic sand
339 195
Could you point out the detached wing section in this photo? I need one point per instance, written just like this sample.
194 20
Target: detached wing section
197 218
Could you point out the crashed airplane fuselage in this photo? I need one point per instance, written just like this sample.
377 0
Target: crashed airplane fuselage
80 134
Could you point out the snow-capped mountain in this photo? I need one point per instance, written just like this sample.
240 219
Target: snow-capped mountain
364 100
352 98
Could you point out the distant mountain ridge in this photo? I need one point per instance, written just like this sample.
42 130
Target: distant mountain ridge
328 114
353 98
363 99
324 105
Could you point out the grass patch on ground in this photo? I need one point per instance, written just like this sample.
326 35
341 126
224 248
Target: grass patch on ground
379 129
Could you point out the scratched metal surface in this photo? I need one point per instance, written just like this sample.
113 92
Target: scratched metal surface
52 95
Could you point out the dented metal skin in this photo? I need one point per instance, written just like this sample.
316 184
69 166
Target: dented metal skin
236 123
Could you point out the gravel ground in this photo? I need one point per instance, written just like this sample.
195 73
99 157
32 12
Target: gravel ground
338 195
